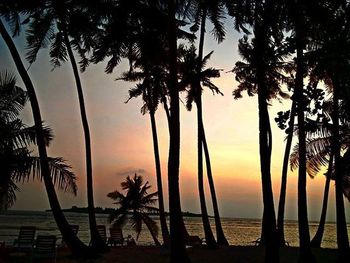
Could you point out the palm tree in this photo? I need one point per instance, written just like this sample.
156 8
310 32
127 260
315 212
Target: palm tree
53 20
332 66
319 152
189 79
137 203
261 74
198 12
178 252
282 198
152 91
16 162
75 245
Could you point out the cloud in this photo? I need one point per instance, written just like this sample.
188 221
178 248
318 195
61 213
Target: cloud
131 171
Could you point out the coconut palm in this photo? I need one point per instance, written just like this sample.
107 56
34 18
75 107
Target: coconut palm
73 242
188 69
319 152
177 238
135 206
199 12
261 74
151 88
16 162
51 22
332 66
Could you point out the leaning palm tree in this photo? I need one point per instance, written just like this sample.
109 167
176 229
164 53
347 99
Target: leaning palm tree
77 247
188 69
135 206
53 22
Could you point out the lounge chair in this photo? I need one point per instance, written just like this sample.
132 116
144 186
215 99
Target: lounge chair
26 236
45 248
75 229
116 236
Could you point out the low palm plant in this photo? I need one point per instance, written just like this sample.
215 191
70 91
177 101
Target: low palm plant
135 206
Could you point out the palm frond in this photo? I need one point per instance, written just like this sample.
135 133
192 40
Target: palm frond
62 176
38 36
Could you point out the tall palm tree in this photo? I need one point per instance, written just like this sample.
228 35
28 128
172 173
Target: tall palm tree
282 198
188 70
178 252
151 88
53 20
137 203
332 66
261 74
199 11
16 162
73 242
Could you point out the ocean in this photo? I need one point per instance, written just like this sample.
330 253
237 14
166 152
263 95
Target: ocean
238 231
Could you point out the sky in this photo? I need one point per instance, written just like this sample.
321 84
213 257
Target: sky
122 139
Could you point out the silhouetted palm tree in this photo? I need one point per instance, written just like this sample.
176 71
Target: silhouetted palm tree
76 246
50 22
178 252
332 66
151 88
188 69
199 11
16 161
262 75
137 203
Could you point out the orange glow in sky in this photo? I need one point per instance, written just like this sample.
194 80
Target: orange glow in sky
122 142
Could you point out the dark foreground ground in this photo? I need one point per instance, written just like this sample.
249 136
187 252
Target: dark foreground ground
232 254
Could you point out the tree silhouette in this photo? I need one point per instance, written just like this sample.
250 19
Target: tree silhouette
16 161
138 203
188 68
261 74
50 23
151 88
75 245
198 12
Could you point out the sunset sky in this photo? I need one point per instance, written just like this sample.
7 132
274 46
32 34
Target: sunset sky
122 140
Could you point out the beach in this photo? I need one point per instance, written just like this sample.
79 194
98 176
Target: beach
147 254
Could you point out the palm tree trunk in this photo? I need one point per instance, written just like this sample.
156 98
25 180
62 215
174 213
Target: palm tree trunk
96 240
162 218
305 254
209 237
221 239
282 200
154 236
73 242
342 231
178 253
316 241
269 231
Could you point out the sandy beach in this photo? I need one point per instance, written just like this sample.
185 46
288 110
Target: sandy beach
151 254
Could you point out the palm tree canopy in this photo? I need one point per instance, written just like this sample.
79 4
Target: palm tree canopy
16 161
136 202
189 76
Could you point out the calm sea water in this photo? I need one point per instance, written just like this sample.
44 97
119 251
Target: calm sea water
238 231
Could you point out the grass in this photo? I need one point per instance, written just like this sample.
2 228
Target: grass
232 254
